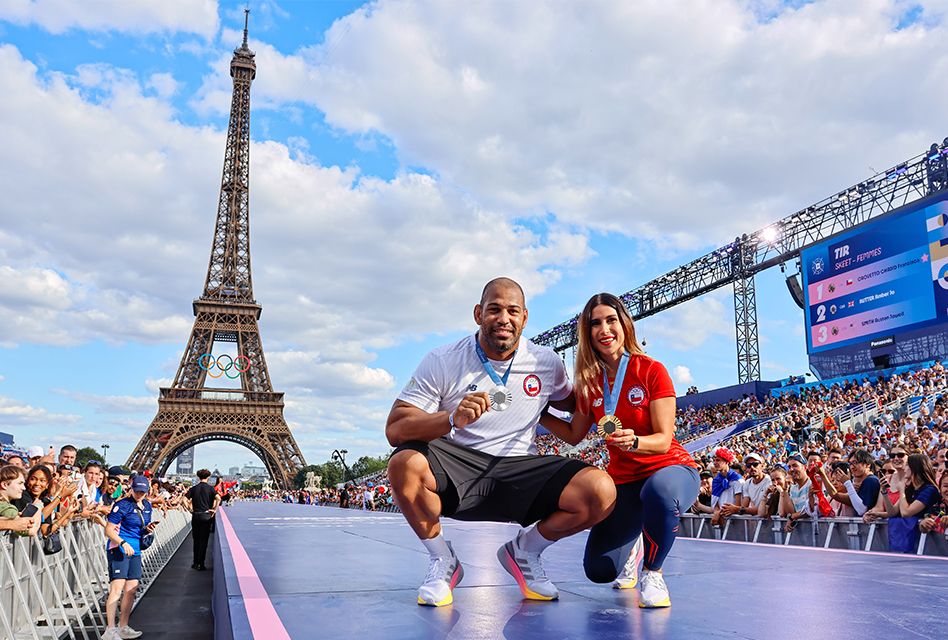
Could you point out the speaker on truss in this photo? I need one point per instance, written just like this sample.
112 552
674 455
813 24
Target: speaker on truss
793 284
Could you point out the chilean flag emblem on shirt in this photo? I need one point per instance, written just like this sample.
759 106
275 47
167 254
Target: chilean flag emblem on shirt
531 386
637 396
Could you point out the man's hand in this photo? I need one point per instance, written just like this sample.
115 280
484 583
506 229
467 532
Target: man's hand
472 407
730 509
20 524
70 489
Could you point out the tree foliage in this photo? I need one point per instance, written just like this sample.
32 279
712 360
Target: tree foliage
367 465
330 474
85 454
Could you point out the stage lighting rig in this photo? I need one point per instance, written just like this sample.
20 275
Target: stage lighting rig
736 263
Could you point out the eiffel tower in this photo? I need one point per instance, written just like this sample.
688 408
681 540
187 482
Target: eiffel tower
189 412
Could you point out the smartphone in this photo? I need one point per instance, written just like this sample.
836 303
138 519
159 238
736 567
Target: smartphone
29 511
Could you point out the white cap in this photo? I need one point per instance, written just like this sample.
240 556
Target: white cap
35 451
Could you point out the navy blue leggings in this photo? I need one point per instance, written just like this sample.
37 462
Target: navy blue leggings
651 507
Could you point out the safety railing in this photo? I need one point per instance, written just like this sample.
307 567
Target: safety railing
63 594
828 533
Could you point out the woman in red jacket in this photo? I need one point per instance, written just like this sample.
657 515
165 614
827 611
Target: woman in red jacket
631 399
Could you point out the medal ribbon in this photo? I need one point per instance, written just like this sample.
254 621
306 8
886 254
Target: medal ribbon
608 401
489 368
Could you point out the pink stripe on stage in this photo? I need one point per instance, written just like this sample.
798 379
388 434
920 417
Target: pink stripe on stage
264 621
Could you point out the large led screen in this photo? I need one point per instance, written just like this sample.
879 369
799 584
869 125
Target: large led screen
878 280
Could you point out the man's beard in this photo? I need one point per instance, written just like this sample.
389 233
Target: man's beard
502 347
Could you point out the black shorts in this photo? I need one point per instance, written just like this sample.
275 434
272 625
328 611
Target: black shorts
477 486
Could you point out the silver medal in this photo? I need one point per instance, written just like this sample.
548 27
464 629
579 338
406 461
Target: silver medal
500 398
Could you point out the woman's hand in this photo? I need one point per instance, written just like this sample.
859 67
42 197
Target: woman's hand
623 439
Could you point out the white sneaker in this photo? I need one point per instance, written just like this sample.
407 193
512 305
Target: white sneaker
111 633
443 575
652 592
527 570
629 575
127 633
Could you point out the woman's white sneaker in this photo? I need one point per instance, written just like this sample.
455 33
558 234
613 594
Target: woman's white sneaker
629 576
652 591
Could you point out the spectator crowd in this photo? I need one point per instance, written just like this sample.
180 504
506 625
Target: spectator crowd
797 464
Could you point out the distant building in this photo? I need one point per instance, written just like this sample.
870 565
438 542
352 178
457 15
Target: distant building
233 471
250 470
186 463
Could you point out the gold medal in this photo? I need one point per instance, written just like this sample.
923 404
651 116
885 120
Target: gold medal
608 425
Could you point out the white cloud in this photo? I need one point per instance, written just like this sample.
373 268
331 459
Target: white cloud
682 375
154 386
164 84
775 367
689 325
15 413
138 17
684 120
112 404
123 240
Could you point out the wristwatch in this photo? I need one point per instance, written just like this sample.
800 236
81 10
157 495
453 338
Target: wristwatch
635 444
743 510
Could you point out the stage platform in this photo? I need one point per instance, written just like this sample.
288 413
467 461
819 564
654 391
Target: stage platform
296 571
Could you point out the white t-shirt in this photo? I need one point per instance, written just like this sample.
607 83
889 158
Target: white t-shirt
755 491
452 371
729 495
84 490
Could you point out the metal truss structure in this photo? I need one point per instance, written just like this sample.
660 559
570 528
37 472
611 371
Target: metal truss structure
189 412
738 262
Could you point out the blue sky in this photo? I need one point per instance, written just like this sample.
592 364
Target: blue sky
404 153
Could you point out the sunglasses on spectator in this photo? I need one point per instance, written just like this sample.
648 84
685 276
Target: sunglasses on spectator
897 455
751 464
889 470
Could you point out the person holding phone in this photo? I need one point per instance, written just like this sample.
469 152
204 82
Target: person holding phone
893 471
937 519
860 488
12 486
43 489
917 496
129 520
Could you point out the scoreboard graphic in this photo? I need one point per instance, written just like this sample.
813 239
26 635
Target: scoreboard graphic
887 277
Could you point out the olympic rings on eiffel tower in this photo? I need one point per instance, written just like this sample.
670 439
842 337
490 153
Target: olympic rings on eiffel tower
216 362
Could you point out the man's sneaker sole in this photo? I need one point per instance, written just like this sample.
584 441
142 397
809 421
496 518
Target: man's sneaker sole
455 579
505 555
658 605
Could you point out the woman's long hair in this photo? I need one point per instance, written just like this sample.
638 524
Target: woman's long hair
589 363
922 472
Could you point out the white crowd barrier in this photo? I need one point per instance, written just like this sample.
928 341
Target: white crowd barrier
63 594
829 533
